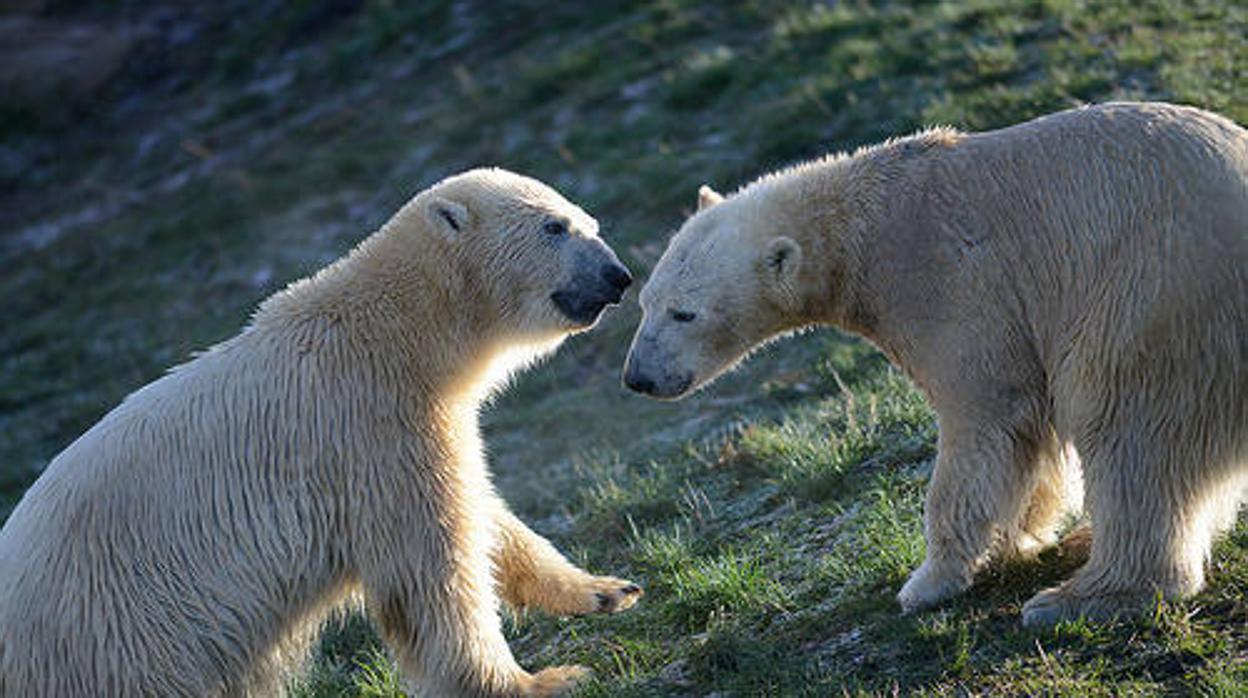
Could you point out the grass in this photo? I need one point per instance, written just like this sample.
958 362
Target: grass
771 518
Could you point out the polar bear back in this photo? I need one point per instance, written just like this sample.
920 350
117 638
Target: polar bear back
1128 215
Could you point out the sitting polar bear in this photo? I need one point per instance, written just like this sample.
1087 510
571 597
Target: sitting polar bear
1075 283
190 541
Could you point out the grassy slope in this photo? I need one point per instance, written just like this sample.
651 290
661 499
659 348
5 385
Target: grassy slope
771 518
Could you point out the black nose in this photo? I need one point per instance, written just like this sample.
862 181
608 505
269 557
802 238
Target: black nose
638 382
617 276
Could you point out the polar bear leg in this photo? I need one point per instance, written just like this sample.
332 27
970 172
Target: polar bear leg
1058 491
532 573
983 478
432 596
1147 541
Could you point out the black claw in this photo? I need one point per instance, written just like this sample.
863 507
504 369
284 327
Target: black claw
604 601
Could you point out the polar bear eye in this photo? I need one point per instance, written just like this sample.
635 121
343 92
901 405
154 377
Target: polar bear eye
555 228
682 315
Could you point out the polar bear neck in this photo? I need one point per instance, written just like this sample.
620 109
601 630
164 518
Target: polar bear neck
823 206
840 209
383 304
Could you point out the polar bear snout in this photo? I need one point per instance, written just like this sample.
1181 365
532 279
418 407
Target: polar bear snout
639 378
589 293
613 280
617 277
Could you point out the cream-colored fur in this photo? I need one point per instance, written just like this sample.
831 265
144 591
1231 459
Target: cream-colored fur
1072 290
190 542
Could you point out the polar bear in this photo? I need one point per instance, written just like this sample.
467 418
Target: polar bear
188 543
1076 285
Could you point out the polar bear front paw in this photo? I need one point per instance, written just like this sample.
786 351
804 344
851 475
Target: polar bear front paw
609 595
574 593
930 584
554 681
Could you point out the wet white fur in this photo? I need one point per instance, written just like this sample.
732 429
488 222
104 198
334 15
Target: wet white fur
191 542
1075 285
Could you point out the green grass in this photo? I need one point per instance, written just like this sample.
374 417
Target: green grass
772 517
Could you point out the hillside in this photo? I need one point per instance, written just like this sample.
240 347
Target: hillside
237 146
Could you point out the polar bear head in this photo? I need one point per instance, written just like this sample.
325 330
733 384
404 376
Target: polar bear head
534 256
726 284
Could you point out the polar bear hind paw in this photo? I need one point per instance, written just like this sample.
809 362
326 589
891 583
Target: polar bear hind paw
1058 604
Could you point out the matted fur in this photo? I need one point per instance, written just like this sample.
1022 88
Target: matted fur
1070 290
190 543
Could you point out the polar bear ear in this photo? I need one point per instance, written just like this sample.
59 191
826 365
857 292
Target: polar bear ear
446 216
782 260
708 197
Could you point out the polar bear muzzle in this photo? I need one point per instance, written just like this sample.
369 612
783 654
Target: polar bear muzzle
600 280
652 371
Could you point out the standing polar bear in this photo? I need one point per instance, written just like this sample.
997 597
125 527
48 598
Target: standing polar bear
188 543
1075 283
